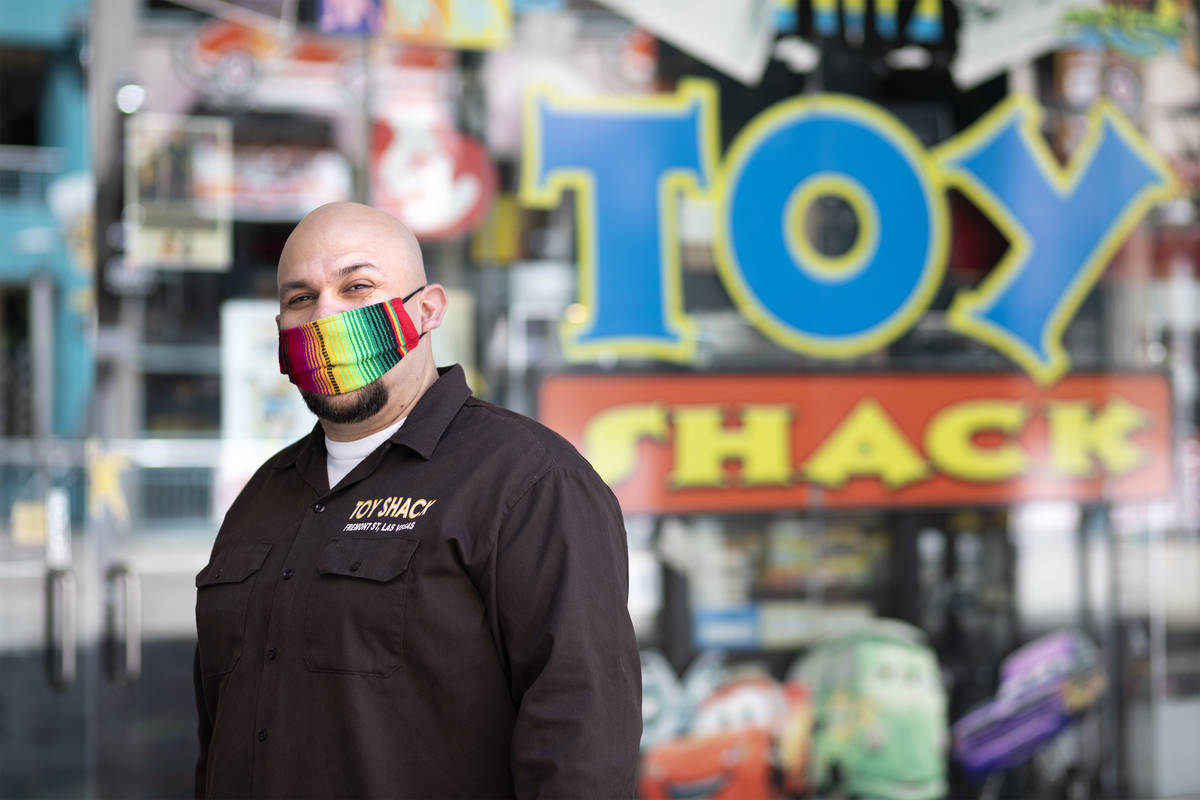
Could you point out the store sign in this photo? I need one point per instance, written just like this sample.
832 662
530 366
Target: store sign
628 160
438 181
179 181
468 24
284 182
686 443
1129 28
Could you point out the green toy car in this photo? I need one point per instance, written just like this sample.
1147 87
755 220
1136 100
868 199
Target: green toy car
879 710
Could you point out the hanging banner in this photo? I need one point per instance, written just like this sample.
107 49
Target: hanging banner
692 443
465 24
179 185
733 36
992 36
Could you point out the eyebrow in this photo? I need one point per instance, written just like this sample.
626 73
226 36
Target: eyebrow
342 273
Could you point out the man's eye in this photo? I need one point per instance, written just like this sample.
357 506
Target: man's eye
298 299
356 286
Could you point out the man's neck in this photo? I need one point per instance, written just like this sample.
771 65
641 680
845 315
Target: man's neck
402 398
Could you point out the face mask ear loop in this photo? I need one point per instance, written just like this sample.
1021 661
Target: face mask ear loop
409 296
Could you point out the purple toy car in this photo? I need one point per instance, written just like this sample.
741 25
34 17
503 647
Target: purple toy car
1043 686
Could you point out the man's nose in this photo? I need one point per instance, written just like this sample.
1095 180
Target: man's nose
328 304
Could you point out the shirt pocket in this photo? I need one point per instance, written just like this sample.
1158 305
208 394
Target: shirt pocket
354 617
222 594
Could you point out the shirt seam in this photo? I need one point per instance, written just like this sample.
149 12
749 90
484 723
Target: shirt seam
555 466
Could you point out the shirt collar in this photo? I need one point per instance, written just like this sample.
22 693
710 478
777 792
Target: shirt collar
420 433
431 416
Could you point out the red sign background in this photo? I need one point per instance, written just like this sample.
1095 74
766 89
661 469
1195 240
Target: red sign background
819 403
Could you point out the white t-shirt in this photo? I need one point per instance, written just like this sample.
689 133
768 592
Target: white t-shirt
344 456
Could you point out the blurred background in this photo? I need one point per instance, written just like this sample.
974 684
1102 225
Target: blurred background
879 316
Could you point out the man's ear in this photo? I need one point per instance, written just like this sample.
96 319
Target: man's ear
433 307
277 328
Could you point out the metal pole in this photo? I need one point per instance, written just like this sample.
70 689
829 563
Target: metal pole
363 189
113 28
41 347
112 43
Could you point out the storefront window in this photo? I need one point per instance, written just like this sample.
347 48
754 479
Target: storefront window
878 318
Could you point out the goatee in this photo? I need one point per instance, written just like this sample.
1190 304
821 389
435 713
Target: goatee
357 406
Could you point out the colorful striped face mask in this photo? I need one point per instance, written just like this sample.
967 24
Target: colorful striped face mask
346 351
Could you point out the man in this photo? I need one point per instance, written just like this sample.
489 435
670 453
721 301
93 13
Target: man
449 619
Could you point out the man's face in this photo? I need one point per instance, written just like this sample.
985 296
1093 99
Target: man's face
336 260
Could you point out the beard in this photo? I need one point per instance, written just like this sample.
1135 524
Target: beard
357 406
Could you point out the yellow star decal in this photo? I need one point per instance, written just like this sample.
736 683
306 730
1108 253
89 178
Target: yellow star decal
104 483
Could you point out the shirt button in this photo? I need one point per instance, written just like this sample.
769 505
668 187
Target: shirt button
318 507
271 653
288 573
262 734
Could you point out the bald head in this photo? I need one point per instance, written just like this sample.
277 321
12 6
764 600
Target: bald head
343 227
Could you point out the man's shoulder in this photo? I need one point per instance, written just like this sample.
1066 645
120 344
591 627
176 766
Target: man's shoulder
520 453
518 434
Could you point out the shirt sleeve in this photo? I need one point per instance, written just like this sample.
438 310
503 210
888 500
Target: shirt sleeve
562 581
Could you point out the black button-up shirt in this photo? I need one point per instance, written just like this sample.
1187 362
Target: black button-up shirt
450 621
